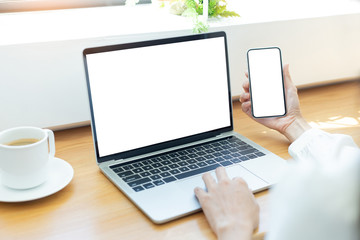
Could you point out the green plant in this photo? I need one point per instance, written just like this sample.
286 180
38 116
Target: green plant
217 8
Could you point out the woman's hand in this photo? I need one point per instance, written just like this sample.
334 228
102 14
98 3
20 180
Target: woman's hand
292 125
229 206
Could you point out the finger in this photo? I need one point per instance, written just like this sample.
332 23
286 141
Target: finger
209 181
199 193
241 181
244 97
221 174
247 74
246 107
246 86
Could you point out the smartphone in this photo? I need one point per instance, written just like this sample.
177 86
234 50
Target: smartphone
266 80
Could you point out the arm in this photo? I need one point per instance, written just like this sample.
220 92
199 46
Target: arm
292 125
322 184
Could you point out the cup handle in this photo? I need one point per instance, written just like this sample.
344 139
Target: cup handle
51 142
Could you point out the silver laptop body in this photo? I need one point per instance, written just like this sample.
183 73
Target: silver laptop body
161 104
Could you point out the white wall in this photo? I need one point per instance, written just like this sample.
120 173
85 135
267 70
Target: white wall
42 83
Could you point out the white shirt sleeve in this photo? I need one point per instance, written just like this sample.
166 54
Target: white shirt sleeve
319 195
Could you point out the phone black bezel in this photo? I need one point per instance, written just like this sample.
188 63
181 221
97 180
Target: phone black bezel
282 78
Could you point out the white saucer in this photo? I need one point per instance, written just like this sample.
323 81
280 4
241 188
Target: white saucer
60 175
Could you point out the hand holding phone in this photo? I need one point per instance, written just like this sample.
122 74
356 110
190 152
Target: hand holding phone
266 82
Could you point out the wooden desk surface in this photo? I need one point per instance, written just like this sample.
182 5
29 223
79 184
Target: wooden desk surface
91 207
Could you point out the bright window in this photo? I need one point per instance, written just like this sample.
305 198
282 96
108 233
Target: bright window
35 5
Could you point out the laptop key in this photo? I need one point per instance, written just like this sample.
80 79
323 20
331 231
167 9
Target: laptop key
158 182
201 153
172 166
146 162
125 174
169 179
184 169
225 152
219 159
165 162
145 174
197 171
165 157
244 158
138 188
200 148
191 150
164 168
193 166
165 174
131 178
137 170
210 161
155 177
128 167
174 171
226 163
217 154
175 160
200 159
139 182
217 149
136 165
234 150
235 160
192 155
251 156
155 160
155 171
209 151
117 170
184 157
148 185
182 153
243 147
156 165
248 151
173 155
148 167
191 161
260 154
183 163
201 164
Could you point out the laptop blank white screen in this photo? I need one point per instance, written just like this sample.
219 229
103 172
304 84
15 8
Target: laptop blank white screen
148 95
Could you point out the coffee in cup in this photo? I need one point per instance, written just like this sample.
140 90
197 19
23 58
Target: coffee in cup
25 153
22 141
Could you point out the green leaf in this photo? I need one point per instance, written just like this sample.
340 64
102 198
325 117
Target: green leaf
229 14
189 12
200 27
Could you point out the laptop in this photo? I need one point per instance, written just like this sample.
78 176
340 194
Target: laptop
161 116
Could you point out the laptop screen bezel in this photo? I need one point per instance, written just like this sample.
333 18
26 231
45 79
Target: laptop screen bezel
167 144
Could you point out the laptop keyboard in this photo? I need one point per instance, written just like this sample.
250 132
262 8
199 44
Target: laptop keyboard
157 170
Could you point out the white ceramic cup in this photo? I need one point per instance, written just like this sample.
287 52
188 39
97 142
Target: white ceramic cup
25 166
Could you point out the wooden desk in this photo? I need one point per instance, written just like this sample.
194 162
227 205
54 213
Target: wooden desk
91 207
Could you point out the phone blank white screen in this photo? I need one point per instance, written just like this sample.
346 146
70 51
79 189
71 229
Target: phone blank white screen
266 83
148 95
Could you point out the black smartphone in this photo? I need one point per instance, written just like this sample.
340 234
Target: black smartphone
266 79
